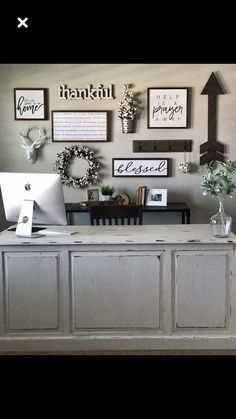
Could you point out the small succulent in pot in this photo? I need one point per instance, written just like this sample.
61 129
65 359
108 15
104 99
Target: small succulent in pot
107 190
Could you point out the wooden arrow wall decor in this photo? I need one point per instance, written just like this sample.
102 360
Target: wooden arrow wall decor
212 149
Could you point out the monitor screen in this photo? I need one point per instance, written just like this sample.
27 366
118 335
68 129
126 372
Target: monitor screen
33 198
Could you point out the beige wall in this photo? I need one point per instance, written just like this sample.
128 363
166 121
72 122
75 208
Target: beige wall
180 187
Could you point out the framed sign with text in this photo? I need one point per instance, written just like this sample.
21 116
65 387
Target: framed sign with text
80 126
168 107
30 103
123 167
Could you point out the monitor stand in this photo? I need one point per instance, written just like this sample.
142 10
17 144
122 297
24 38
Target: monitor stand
24 225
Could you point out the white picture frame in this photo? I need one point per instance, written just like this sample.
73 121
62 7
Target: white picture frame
157 197
93 194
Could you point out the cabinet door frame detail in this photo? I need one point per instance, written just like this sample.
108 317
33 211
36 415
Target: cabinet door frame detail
176 283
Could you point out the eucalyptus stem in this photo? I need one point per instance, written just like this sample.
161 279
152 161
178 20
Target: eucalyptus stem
221 211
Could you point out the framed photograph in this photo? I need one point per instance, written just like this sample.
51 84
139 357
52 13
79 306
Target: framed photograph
168 107
80 126
157 197
93 194
123 167
30 103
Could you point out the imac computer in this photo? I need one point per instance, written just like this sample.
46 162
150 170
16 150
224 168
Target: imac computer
32 198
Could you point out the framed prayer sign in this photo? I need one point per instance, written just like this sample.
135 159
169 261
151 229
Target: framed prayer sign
168 107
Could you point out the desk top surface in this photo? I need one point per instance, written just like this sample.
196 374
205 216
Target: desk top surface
144 234
171 206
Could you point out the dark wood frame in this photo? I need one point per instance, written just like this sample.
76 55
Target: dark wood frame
108 126
187 105
45 103
168 162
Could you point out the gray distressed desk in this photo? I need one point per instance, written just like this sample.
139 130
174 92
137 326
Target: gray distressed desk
179 207
118 287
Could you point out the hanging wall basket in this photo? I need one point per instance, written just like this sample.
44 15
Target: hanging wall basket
128 125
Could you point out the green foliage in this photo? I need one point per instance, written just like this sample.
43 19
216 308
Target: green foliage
218 181
107 190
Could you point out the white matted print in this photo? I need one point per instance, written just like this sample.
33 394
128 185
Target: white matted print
93 194
168 107
157 197
80 126
30 103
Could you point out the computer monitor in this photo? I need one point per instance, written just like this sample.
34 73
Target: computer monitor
32 198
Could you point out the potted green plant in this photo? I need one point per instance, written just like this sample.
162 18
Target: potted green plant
128 109
218 182
107 192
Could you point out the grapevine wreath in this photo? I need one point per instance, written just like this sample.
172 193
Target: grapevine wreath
64 159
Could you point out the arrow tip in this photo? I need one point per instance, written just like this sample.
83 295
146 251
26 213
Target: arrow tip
212 86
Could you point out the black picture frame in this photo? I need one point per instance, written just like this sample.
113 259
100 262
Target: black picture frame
78 126
30 103
150 167
168 107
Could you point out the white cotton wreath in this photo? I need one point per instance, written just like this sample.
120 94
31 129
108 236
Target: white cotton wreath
64 159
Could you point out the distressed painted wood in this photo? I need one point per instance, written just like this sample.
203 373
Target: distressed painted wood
118 287
201 289
31 290
128 297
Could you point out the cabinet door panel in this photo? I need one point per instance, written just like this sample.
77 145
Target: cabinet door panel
31 290
201 289
116 290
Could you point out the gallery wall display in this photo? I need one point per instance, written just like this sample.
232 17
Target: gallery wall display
123 167
168 107
80 126
30 103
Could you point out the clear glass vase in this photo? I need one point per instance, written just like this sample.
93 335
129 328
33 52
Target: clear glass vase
221 223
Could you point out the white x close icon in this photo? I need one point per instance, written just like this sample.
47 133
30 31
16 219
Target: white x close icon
22 22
